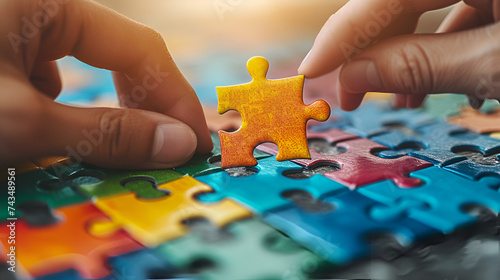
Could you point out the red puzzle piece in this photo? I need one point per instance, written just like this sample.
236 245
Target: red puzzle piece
360 165
67 244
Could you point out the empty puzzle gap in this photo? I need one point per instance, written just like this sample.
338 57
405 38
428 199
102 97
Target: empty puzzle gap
215 160
144 187
324 147
475 154
243 171
306 201
37 213
401 127
307 172
208 231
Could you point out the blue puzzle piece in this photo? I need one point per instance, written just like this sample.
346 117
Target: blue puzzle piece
141 264
340 236
374 118
438 141
444 192
262 191
474 170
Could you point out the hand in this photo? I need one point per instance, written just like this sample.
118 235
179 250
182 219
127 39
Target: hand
364 38
163 125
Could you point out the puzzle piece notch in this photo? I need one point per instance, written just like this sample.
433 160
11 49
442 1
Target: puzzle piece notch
262 191
151 227
257 102
37 213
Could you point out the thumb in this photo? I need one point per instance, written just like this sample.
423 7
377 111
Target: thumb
420 64
119 138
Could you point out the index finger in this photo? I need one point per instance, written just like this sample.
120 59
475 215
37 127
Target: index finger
51 29
356 26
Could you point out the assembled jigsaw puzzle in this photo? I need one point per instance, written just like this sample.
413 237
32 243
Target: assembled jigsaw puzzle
376 193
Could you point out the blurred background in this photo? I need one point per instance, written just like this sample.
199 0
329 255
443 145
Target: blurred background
211 40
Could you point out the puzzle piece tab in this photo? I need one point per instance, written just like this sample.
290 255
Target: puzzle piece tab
438 141
342 235
67 244
360 166
253 251
264 190
443 192
271 111
153 221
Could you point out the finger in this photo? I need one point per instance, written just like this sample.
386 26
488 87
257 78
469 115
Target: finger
461 17
421 64
76 28
349 101
45 77
354 27
400 101
115 138
415 101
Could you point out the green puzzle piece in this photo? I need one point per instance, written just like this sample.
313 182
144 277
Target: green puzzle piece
200 164
37 185
253 250
113 182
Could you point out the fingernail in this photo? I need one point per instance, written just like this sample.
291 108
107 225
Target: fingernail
304 62
173 142
361 76
475 102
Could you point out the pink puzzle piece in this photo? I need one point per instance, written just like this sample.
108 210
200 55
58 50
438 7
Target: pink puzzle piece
360 165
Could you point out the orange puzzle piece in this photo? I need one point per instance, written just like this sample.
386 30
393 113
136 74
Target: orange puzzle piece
271 111
67 244
154 221
477 121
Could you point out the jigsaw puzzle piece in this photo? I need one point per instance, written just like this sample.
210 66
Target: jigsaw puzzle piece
262 104
444 195
66 244
264 190
154 221
477 121
253 250
438 141
477 165
200 165
346 232
360 166
36 186
374 118
91 181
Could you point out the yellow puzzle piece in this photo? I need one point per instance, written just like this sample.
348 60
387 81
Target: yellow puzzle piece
271 111
154 221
